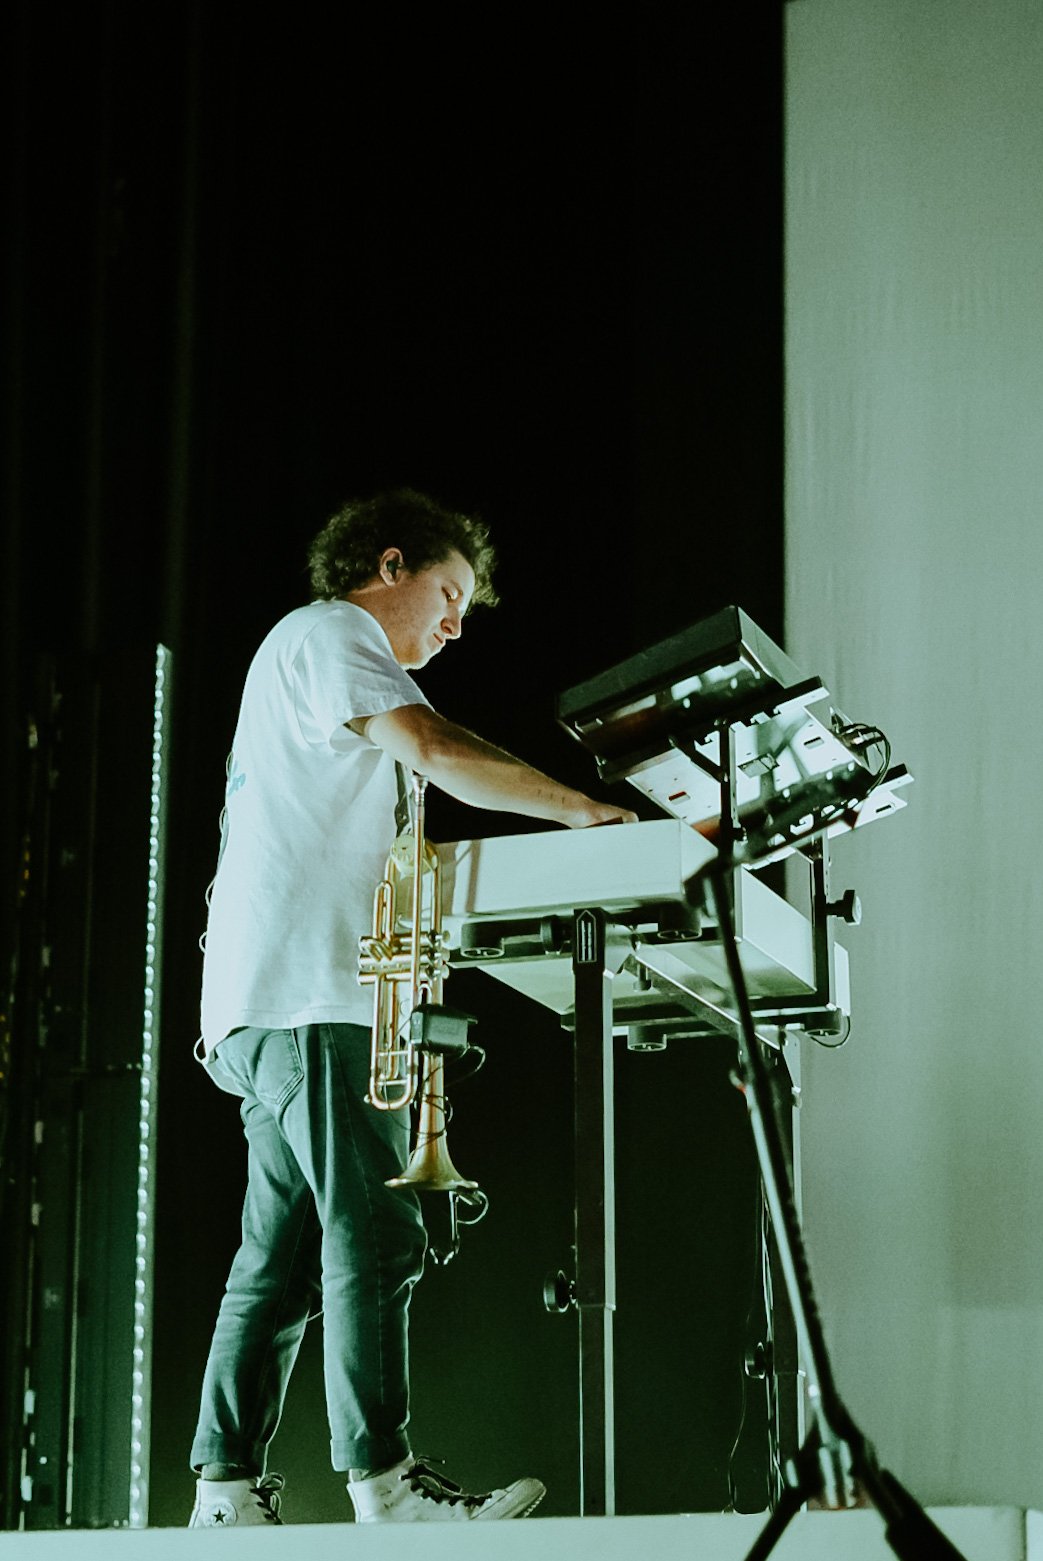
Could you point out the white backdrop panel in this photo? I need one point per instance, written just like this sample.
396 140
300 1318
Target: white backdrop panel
914 300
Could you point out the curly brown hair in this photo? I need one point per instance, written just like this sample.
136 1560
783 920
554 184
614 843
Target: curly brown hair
346 552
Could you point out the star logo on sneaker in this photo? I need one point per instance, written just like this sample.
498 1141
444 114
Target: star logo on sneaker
221 1514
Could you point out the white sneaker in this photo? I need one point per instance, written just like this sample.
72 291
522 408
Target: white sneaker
228 1503
410 1492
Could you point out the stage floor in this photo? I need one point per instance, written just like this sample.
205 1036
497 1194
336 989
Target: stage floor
982 1533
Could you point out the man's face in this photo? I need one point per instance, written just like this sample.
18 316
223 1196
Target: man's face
424 610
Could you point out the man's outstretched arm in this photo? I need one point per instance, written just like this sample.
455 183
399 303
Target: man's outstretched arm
479 773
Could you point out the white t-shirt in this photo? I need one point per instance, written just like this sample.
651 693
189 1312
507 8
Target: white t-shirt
309 823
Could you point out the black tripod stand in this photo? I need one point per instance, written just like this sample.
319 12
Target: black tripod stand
836 1460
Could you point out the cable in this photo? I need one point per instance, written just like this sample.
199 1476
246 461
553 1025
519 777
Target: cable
860 738
771 1381
761 1291
461 1078
733 1493
832 1046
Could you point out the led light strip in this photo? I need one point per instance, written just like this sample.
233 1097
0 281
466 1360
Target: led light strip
141 1375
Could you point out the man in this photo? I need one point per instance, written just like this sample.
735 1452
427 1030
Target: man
328 708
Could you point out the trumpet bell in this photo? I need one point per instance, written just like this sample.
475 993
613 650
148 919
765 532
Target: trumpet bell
431 1170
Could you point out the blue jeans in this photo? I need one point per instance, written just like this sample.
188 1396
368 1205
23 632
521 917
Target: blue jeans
321 1233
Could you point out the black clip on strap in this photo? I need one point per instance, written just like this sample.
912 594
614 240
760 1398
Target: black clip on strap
403 810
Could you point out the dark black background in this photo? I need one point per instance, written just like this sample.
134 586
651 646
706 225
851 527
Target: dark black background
261 262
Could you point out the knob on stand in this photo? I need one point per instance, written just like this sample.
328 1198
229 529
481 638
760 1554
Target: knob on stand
559 1292
848 908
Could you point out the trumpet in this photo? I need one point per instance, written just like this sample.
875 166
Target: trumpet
406 960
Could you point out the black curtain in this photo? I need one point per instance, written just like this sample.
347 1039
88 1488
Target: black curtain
535 269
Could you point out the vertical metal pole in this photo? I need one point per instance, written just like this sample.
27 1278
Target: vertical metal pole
730 833
789 1427
821 923
595 1291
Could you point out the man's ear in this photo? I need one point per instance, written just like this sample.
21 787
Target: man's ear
391 562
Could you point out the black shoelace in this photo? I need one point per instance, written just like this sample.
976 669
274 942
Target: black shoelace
435 1487
267 1493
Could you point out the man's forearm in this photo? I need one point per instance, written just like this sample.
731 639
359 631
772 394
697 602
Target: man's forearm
479 773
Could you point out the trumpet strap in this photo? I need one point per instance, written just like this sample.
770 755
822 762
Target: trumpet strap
403 810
